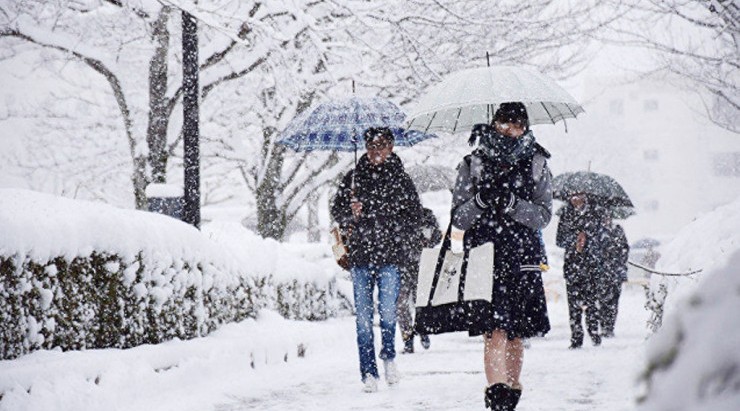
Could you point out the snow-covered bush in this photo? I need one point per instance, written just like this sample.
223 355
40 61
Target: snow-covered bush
694 360
706 243
75 274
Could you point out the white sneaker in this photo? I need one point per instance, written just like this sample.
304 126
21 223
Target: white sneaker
370 384
392 376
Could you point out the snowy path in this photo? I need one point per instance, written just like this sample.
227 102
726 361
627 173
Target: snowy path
216 372
449 375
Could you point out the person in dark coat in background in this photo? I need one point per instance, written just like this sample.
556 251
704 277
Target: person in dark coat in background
428 235
579 231
377 204
613 274
503 195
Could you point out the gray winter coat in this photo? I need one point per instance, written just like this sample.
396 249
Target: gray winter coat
535 214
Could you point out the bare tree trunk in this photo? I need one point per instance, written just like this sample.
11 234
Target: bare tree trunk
314 233
138 178
156 133
271 219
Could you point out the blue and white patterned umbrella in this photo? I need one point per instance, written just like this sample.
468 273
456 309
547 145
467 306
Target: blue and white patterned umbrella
340 124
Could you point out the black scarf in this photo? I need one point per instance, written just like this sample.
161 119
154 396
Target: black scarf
507 150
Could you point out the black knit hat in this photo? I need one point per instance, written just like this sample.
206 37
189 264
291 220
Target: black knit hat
376 132
512 112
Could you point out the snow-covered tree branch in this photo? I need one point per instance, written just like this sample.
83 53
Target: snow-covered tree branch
264 62
699 41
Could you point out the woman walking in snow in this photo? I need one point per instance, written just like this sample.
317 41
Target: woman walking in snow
503 195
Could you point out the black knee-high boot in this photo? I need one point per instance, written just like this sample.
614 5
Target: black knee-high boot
514 395
501 397
497 397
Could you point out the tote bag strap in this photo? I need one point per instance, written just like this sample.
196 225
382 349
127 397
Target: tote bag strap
446 243
463 274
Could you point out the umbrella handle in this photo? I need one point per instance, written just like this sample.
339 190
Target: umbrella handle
352 184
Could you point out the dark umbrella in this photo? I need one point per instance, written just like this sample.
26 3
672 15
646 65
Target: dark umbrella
617 213
600 187
432 178
646 242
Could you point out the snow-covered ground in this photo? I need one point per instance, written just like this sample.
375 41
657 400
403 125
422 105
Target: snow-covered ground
254 365
272 363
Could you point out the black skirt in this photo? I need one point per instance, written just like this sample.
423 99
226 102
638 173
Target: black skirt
518 305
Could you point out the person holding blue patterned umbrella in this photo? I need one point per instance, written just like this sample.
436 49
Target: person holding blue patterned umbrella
378 206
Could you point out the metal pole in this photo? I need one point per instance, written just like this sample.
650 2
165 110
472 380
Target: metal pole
191 148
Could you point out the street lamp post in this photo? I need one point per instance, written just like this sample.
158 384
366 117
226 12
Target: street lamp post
190 129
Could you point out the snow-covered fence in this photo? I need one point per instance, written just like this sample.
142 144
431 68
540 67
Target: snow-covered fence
75 275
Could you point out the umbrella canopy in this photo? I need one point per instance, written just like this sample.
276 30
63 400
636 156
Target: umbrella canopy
471 96
620 213
432 178
339 125
600 187
646 242
617 213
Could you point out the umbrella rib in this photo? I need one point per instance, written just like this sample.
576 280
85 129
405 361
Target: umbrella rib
412 123
571 110
430 122
547 111
457 119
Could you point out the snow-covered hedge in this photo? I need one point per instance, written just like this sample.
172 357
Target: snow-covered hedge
76 274
705 244
694 360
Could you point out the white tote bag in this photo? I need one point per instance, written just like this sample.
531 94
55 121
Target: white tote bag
451 287
478 279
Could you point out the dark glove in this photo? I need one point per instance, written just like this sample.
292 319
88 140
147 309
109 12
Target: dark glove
496 196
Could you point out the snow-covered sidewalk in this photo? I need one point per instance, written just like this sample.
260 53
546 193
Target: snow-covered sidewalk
449 376
254 365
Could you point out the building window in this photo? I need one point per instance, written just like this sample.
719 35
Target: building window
650 105
726 164
616 107
650 155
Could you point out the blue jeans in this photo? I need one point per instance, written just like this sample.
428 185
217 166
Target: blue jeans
364 279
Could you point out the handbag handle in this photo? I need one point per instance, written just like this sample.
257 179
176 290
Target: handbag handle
446 244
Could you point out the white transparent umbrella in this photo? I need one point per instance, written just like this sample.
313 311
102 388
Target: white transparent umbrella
471 96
